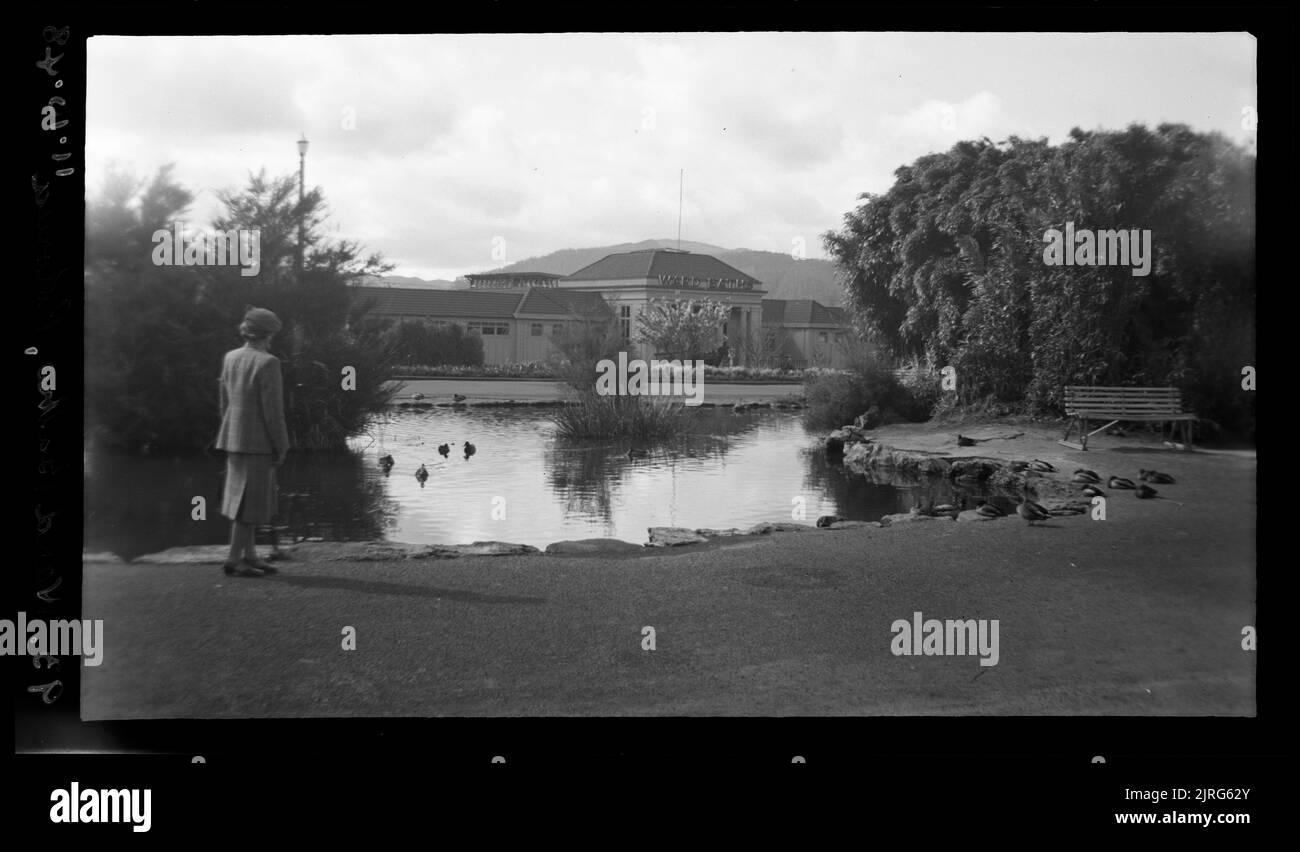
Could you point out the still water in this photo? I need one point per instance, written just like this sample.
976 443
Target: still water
522 485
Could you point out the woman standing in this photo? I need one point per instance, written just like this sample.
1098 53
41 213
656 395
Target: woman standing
254 436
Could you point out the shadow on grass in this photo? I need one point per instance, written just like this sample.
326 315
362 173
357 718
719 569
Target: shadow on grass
374 587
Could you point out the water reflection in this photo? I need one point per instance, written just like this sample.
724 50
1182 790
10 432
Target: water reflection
522 484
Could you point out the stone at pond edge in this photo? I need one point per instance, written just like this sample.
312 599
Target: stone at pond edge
906 517
592 547
673 537
764 528
972 515
712 533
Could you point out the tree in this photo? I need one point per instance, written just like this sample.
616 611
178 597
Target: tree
682 329
155 334
947 266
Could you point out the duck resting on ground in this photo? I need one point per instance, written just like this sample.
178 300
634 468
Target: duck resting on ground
444 450
988 510
1156 477
1092 491
1083 475
1042 466
1031 511
1121 482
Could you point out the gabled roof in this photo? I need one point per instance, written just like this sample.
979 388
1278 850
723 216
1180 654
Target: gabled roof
651 263
791 312
563 303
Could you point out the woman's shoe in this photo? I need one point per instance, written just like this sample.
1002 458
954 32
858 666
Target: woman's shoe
260 565
232 569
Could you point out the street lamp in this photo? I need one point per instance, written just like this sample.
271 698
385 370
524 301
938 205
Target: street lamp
302 172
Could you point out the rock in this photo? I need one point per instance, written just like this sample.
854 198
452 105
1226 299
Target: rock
204 554
478 548
881 458
104 558
827 520
905 517
848 525
673 537
765 528
711 533
392 551
592 547
972 515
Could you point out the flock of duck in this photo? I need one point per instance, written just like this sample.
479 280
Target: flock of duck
1090 480
386 462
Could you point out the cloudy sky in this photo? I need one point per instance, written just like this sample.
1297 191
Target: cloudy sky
434 149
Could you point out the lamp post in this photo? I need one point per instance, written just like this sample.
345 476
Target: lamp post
302 172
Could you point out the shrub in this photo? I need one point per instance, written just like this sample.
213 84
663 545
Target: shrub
595 416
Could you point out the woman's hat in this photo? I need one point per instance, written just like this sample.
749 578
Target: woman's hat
259 323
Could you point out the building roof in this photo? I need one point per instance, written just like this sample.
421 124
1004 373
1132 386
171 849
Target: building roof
801 312
414 301
489 304
652 263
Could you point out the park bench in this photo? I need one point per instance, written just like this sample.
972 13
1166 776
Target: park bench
1146 405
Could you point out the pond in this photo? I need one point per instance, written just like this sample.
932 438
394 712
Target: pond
522 485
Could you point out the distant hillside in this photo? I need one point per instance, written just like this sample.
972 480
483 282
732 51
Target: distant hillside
407 281
783 277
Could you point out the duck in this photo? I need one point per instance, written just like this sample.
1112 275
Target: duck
1145 492
444 450
1157 477
458 397
1042 466
470 449
988 510
386 462
1084 475
1031 511
422 474
636 453
1121 482
1092 491
963 441
417 396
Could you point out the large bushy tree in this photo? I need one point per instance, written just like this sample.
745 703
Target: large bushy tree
156 334
947 268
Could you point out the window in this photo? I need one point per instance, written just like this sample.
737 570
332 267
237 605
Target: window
489 328
821 337
536 329
625 321
557 329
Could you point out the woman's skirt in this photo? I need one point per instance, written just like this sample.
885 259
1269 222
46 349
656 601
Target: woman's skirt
250 494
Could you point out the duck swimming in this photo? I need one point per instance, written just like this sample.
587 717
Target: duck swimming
1156 477
1121 482
963 441
636 453
444 450
386 462
470 449
459 397
422 474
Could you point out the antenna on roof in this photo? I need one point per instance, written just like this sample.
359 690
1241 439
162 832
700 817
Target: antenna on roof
681 179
